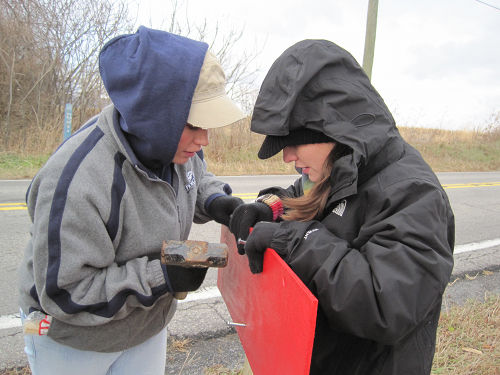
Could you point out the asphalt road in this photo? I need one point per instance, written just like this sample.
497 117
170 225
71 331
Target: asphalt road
475 199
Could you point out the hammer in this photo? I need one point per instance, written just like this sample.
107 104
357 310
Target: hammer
190 253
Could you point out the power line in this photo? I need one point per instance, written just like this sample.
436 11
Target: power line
485 3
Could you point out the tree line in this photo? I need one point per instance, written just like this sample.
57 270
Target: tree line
49 57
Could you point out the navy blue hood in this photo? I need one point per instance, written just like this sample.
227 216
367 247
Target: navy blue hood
150 77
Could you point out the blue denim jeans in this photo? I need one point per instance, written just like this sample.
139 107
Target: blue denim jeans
48 357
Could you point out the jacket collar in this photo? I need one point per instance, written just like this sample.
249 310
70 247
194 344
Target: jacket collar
346 177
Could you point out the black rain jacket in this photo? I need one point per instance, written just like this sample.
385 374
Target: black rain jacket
381 254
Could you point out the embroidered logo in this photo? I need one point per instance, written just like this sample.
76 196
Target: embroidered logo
191 180
309 232
340 208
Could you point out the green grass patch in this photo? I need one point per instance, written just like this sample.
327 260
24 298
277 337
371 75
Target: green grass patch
14 166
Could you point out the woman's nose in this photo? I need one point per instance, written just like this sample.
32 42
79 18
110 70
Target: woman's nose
201 137
289 154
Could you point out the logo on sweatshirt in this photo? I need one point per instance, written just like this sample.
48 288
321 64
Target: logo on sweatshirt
191 180
340 208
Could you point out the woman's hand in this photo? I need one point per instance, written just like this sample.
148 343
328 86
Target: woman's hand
245 217
257 243
221 208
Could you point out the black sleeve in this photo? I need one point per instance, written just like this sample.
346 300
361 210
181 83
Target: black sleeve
387 280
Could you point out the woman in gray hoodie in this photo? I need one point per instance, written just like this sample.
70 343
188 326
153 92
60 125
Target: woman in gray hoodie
101 206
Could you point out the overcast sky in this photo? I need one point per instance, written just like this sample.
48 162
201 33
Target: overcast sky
437 63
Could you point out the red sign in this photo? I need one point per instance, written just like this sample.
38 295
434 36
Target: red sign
278 310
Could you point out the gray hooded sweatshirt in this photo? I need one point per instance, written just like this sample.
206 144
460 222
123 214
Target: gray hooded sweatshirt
106 199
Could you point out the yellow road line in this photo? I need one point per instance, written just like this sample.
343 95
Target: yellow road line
446 186
12 208
246 195
472 184
22 206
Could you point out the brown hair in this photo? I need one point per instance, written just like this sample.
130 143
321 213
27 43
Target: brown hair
309 206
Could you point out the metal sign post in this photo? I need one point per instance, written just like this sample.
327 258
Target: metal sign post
371 30
68 114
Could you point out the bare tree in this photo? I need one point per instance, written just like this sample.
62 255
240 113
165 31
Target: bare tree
48 56
240 67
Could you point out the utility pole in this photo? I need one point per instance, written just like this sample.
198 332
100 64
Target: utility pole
371 30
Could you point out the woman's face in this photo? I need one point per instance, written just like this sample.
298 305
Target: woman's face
310 157
192 140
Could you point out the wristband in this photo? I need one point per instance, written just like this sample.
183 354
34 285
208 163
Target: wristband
274 203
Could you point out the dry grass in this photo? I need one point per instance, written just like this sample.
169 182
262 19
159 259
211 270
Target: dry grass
34 141
180 345
27 150
17 371
468 339
220 370
233 151
457 150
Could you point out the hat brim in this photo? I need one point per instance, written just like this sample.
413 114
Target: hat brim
214 113
271 146
275 143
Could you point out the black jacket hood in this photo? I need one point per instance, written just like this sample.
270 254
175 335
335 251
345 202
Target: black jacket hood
318 85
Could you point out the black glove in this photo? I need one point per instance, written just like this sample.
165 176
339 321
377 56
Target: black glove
183 279
257 243
246 216
221 208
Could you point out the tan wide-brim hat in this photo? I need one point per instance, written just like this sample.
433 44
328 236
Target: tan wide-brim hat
211 107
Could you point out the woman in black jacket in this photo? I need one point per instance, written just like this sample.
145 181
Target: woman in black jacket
367 227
